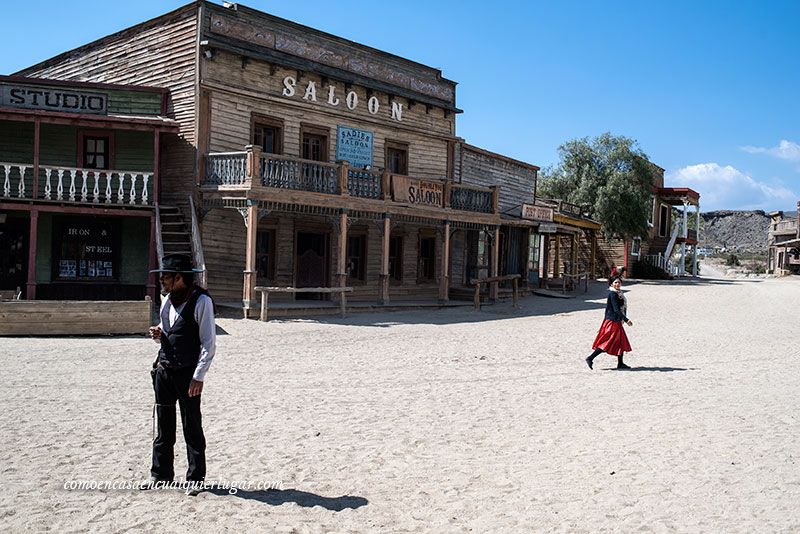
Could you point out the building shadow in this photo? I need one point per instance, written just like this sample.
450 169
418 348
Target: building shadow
301 498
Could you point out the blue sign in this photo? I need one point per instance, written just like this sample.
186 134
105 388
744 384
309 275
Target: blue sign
354 146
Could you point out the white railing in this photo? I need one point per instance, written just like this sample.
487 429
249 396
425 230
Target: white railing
76 185
665 264
197 245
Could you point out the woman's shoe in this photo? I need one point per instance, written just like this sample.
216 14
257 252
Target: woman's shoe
623 366
589 361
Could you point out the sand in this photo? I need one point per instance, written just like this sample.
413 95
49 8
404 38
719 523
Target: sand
434 421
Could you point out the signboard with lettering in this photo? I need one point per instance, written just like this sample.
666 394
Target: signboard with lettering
84 249
418 192
547 229
52 99
354 146
536 213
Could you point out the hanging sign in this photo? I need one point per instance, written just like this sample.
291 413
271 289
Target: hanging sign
354 146
536 213
418 192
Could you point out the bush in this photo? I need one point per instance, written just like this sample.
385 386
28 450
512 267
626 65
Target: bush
732 261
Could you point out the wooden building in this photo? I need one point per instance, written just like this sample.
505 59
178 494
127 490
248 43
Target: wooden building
79 179
783 242
312 160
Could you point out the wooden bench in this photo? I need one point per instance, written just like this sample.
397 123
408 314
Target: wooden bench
265 291
74 317
496 280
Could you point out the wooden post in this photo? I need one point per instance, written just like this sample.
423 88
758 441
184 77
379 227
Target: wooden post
557 257
386 185
264 297
594 257
343 303
444 282
493 287
387 222
495 198
697 237
448 187
341 259
250 256
477 298
344 173
156 167
253 165
30 292
36 144
515 286
575 243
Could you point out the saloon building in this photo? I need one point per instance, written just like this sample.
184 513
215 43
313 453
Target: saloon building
303 159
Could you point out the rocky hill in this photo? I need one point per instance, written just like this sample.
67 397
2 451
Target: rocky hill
740 231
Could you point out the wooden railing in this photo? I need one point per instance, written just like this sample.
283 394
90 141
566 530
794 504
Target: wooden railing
293 173
73 184
251 168
470 198
561 206
665 264
494 281
364 184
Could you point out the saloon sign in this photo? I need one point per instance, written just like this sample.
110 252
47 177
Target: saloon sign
536 213
52 99
418 192
313 93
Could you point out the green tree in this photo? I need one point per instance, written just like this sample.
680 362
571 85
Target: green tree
608 173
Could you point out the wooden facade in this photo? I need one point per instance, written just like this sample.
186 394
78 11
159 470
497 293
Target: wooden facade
79 179
316 161
783 244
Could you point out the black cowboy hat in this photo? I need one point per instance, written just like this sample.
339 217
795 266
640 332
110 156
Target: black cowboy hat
176 263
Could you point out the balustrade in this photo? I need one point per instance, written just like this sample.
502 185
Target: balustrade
471 199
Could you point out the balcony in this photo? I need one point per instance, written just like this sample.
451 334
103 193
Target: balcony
72 184
250 169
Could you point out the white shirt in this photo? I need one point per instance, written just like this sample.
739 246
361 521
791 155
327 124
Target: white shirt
204 315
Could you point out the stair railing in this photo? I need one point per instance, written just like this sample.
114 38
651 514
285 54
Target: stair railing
159 239
197 245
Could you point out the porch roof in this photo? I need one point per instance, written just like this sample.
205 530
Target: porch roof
125 122
678 195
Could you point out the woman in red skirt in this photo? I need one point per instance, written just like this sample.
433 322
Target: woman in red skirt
611 338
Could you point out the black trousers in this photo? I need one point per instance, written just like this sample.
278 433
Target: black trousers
172 385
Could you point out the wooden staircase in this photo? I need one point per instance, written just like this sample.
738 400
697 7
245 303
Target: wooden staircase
176 236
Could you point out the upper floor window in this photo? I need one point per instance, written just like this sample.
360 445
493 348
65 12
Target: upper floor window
95 150
313 143
396 158
268 134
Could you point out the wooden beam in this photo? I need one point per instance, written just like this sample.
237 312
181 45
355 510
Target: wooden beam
444 281
30 293
387 235
36 147
495 265
250 258
152 278
156 167
59 207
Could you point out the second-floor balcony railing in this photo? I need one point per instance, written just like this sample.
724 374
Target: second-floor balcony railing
73 184
251 168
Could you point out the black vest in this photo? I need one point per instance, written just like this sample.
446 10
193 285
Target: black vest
180 343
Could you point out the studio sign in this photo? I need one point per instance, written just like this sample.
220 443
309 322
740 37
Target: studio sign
331 98
52 99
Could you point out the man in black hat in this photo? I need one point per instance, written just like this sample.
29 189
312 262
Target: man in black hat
188 342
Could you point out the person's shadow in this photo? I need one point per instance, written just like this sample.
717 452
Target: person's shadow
654 369
301 498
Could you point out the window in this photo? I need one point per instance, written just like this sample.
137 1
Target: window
396 158
265 255
663 220
426 258
357 257
636 246
95 150
313 143
268 134
85 249
396 258
652 211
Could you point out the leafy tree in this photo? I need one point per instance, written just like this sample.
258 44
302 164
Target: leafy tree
609 174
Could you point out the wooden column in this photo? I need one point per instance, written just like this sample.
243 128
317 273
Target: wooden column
152 278
30 292
156 167
594 254
36 136
576 240
387 233
250 256
386 192
495 263
545 259
253 162
341 257
697 236
444 281
556 256
344 174
682 266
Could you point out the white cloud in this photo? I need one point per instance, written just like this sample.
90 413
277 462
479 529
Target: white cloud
728 188
787 150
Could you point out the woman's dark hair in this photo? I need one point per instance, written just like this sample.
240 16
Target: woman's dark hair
612 279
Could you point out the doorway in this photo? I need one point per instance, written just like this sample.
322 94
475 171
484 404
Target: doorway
311 262
14 235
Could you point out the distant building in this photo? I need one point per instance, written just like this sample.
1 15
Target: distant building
783 243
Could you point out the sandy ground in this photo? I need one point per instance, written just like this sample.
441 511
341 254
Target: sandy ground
442 421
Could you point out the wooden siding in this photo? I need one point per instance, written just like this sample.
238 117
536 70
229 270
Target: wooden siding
55 318
162 53
517 181
223 233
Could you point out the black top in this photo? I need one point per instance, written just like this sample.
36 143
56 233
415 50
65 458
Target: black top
180 343
614 308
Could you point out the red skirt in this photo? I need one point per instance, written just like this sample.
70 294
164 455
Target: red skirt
612 339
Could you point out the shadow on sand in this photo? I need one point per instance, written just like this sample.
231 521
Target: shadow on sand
301 498
653 369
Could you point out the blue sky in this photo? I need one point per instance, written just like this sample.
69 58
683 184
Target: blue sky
709 89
